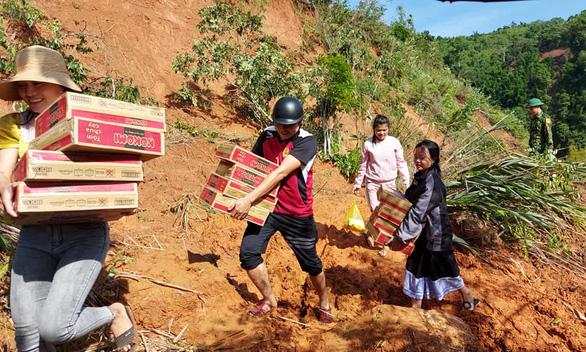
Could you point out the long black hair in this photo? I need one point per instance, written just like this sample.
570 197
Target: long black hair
379 120
434 152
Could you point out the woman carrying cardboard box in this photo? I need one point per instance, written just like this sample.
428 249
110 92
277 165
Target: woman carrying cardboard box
431 270
55 266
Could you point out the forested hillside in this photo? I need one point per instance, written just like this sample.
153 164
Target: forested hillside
544 59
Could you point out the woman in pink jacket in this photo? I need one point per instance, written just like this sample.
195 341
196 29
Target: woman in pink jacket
382 157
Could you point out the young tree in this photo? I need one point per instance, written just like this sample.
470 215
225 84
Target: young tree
333 90
234 49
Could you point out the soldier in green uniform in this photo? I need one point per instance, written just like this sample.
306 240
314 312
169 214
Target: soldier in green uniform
540 138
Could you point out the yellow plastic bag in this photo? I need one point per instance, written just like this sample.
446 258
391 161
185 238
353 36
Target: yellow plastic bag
353 220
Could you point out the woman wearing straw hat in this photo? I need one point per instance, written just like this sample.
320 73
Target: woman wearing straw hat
55 266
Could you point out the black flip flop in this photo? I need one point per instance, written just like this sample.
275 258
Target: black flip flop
470 306
127 337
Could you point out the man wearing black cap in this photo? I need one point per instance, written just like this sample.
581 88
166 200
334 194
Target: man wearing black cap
540 137
294 149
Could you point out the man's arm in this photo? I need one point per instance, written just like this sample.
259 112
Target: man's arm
240 208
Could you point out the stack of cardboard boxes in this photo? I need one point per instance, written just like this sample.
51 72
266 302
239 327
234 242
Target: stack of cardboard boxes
86 160
238 173
78 122
386 218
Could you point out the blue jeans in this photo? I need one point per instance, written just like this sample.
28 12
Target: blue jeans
54 269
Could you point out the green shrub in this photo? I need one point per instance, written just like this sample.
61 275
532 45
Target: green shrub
20 10
576 155
347 163
256 68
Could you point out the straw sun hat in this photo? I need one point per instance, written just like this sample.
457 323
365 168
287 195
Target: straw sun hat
38 64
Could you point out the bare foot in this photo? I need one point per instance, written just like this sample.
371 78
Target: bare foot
466 294
469 301
383 252
369 240
121 322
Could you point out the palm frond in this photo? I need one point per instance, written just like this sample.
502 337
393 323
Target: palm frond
523 196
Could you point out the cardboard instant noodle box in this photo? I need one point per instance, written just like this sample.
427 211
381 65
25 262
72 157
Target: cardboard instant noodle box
379 222
393 199
242 174
245 158
378 235
71 105
42 203
216 200
391 212
72 217
44 166
383 237
83 134
387 216
239 173
235 189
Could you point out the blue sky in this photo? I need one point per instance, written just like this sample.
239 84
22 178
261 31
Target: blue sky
464 18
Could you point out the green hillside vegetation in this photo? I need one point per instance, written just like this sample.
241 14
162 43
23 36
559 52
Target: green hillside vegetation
508 65
369 67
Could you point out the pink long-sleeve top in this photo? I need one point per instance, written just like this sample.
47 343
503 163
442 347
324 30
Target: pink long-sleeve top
380 162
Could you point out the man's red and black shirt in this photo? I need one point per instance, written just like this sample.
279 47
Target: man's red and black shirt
295 196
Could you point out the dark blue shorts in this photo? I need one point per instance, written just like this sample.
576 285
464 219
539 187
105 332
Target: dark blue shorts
300 233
